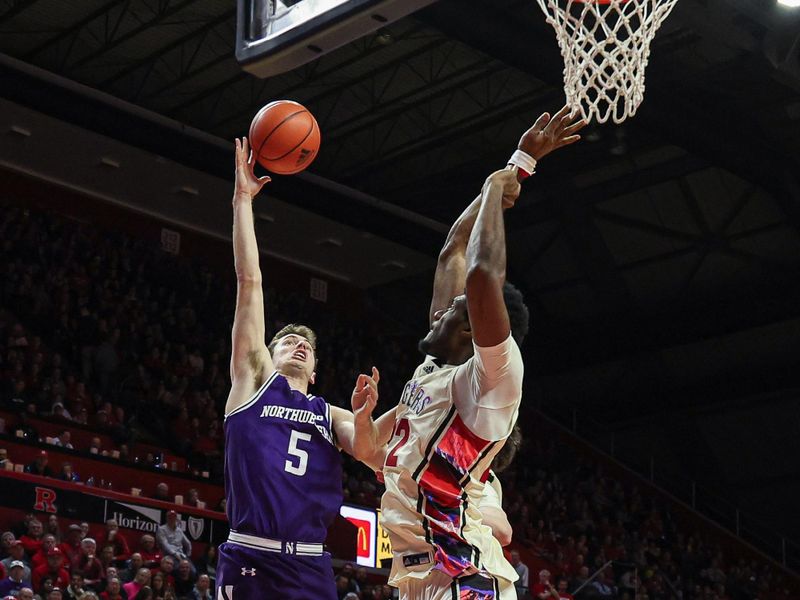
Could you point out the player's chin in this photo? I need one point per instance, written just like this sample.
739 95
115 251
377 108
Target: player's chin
425 344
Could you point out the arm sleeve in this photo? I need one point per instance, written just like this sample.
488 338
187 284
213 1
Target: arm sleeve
487 389
492 496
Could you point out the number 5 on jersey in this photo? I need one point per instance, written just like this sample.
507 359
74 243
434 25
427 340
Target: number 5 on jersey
302 456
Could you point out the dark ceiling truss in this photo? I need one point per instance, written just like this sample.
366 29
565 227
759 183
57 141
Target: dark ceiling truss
178 58
109 29
339 88
11 8
244 94
438 134
60 45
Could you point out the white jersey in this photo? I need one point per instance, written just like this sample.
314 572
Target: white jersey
450 423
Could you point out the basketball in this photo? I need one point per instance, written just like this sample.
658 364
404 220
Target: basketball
284 137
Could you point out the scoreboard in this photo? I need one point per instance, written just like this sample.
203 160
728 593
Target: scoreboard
274 36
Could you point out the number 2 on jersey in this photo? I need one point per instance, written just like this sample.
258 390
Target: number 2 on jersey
302 455
403 430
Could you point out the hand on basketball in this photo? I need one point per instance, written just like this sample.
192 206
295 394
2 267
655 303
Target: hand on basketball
507 179
365 395
247 184
550 133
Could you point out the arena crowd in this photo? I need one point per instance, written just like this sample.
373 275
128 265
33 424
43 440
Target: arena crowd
103 330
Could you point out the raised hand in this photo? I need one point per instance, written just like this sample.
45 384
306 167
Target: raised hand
365 395
247 185
550 133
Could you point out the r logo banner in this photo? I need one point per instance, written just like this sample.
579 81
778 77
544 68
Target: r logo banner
45 500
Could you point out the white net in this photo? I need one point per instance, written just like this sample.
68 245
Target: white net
605 46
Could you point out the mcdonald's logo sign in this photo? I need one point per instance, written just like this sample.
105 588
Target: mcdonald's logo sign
366 523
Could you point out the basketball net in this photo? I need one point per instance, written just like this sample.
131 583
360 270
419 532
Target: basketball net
605 45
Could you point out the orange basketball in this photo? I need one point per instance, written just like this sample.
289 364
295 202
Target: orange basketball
284 137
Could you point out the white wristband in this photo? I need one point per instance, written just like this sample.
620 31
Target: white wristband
523 161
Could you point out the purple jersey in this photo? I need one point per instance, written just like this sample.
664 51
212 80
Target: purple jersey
283 472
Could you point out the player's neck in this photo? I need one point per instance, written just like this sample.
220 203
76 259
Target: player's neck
297 383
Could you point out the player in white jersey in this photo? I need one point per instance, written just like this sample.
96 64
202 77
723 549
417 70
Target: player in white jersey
461 403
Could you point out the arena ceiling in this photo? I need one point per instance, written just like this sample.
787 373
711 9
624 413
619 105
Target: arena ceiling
681 224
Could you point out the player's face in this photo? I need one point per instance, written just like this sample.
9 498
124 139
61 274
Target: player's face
294 355
450 332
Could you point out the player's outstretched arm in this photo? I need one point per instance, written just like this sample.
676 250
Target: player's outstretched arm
250 360
486 262
486 249
451 267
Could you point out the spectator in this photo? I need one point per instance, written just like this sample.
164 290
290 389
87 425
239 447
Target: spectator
55 594
52 569
40 558
72 546
25 593
135 563
6 539
141 580
67 474
202 590
146 593
521 568
184 578
113 590
162 493
193 498
171 538
342 585
95 446
114 537
161 587
53 527
17 555
208 564
580 579
110 573
64 441
563 594
14 582
107 558
84 529
88 564
39 466
542 589
167 568
74 590
3 458
150 554
32 540
604 586
348 571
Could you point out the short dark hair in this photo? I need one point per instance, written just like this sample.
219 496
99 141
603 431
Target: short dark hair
294 328
518 314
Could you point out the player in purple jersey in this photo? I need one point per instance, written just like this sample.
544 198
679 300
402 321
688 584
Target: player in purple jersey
283 473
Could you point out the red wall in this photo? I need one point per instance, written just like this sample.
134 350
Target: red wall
124 477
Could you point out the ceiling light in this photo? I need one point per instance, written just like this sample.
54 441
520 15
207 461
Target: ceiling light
790 3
